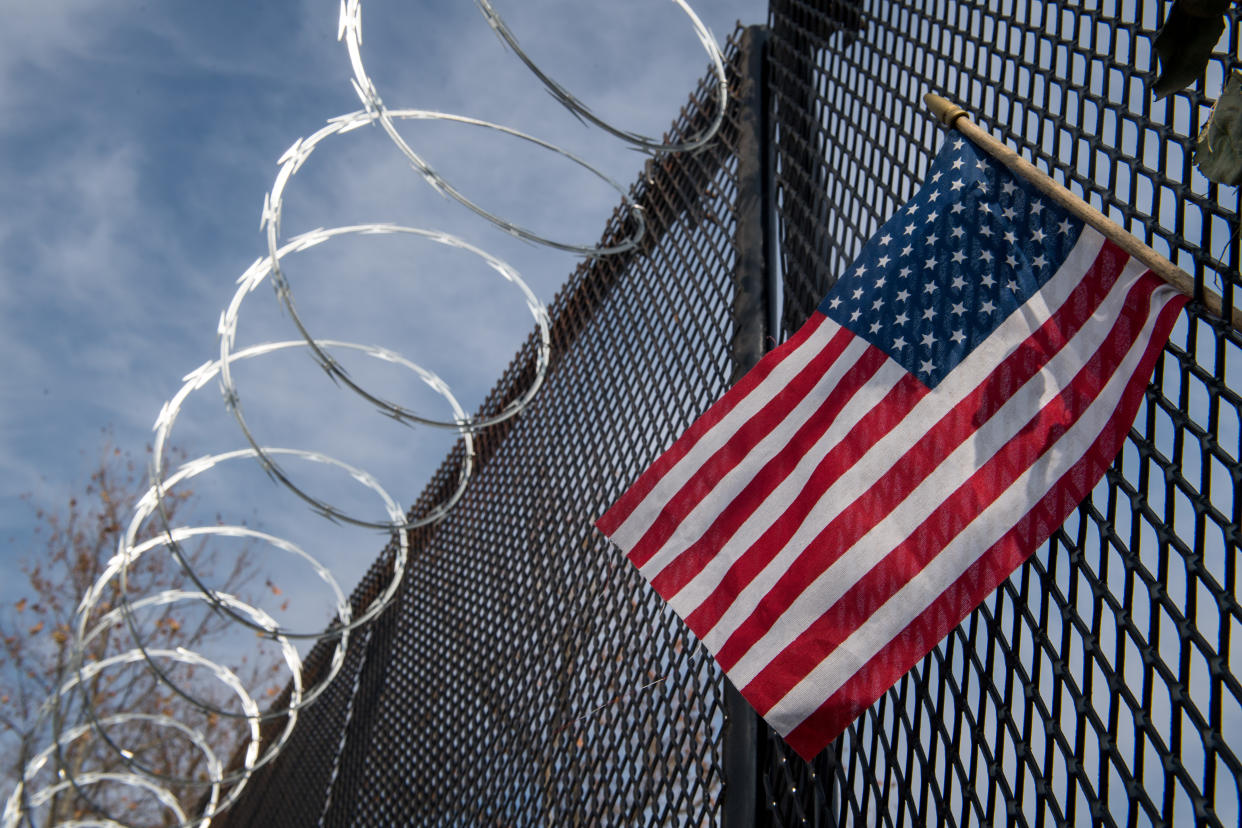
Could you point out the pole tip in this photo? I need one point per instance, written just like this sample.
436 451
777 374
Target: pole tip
945 111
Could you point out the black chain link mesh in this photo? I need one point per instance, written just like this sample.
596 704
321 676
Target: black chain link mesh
1099 685
527 675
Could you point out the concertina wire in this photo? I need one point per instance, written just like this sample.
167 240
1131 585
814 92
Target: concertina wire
69 713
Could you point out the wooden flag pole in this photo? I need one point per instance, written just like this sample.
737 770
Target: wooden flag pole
954 117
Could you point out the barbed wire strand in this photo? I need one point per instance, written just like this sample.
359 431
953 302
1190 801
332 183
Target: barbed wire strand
70 712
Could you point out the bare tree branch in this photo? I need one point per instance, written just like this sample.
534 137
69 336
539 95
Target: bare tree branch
73 546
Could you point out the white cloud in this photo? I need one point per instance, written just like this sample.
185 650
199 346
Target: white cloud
140 137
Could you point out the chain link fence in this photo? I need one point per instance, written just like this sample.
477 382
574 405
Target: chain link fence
526 675
1098 685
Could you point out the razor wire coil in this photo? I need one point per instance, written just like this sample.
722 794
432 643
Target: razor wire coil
69 712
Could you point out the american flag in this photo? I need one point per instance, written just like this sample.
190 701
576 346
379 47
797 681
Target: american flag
959 391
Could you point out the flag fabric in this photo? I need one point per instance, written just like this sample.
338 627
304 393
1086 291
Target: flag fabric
853 497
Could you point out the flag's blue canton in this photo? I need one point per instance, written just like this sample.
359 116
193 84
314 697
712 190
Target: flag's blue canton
970 248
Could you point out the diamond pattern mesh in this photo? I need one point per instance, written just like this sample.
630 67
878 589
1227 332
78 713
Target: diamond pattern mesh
526 673
1099 685
528 676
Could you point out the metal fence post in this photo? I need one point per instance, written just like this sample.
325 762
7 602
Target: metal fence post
754 302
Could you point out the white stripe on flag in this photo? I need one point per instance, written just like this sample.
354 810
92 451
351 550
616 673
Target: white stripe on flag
953 471
632 529
709 577
869 469
729 486
956 558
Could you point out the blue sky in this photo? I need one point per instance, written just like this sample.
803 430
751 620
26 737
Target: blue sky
137 142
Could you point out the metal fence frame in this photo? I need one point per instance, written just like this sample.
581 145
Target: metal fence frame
1099 684
1069 697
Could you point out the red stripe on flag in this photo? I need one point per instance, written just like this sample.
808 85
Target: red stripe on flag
625 505
880 420
690 562
736 449
955 513
908 471
980 579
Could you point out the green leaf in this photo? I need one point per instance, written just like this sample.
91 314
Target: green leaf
1184 44
1218 151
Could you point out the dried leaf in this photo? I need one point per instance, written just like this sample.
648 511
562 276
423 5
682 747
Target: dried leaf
1218 150
1185 42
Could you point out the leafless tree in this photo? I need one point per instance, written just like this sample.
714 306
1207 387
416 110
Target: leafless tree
71 549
